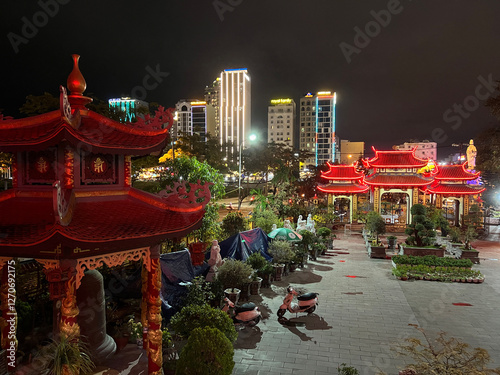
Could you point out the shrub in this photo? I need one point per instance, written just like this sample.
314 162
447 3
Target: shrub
421 231
233 273
207 352
265 219
324 232
445 356
233 223
199 292
256 261
375 223
196 316
454 233
281 252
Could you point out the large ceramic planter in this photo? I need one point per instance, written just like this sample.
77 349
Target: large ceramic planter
422 251
278 271
473 255
377 252
233 294
255 286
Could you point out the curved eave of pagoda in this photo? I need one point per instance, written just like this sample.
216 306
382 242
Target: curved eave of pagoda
453 173
453 189
118 221
341 172
396 159
93 132
343 188
377 180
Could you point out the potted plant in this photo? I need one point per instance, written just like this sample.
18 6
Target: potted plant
391 242
257 262
233 274
376 225
66 356
308 238
421 234
454 234
265 273
469 235
135 329
282 253
324 234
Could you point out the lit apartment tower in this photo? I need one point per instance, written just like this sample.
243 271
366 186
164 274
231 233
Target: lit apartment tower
212 97
350 152
281 116
128 106
234 108
317 127
191 118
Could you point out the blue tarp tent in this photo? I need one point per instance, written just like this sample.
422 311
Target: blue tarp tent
177 270
241 245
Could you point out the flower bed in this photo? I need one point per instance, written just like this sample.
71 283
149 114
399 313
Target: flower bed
439 273
431 260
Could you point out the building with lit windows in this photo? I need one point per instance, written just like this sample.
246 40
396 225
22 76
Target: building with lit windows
191 118
424 150
128 106
317 127
281 117
212 97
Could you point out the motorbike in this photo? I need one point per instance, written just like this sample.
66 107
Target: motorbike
247 314
307 303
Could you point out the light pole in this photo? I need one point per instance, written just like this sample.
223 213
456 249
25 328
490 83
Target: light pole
252 137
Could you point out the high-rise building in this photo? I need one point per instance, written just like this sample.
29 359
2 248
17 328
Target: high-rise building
234 108
281 117
350 152
191 118
317 127
212 97
425 149
128 107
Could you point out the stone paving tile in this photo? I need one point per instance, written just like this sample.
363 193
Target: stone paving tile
360 329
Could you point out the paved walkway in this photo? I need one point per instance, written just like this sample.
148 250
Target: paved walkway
359 319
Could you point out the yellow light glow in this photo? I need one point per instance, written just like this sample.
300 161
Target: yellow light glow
198 103
321 93
281 101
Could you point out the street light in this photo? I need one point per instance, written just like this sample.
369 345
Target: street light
252 138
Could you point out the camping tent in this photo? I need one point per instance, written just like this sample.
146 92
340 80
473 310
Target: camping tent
241 245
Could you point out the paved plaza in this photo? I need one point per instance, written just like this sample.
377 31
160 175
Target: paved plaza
359 318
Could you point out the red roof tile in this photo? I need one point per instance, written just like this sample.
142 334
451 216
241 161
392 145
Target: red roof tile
343 188
454 189
341 172
109 223
98 132
453 172
397 159
395 180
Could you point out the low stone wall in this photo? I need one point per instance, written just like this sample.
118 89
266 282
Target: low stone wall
422 251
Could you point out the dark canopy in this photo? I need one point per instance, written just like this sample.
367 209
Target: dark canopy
241 245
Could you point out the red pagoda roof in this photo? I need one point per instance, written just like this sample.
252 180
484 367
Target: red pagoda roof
453 172
343 188
102 221
454 189
396 159
341 172
395 180
98 132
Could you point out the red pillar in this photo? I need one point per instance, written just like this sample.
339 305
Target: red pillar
155 359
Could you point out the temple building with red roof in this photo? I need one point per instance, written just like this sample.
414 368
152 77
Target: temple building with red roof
393 181
72 207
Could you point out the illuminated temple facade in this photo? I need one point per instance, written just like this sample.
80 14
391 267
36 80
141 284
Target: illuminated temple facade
393 181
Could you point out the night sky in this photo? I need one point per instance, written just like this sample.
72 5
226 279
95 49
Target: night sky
402 81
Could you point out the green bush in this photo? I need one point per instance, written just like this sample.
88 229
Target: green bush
375 223
195 316
281 251
454 233
199 292
421 231
233 223
233 273
265 219
207 352
256 261
431 260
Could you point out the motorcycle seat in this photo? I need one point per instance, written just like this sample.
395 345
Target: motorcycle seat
249 306
307 296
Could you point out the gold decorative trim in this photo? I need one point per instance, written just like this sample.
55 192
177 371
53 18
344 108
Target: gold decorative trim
57 250
49 264
4 260
111 260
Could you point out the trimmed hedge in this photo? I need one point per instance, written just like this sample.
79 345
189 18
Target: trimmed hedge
431 260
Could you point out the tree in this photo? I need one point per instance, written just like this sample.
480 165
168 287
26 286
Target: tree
488 162
421 231
375 223
38 104
233 223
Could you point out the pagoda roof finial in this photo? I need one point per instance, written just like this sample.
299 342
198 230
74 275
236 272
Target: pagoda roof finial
77 85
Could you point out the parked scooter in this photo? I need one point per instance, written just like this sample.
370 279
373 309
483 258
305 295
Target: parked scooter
307 303
247 314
